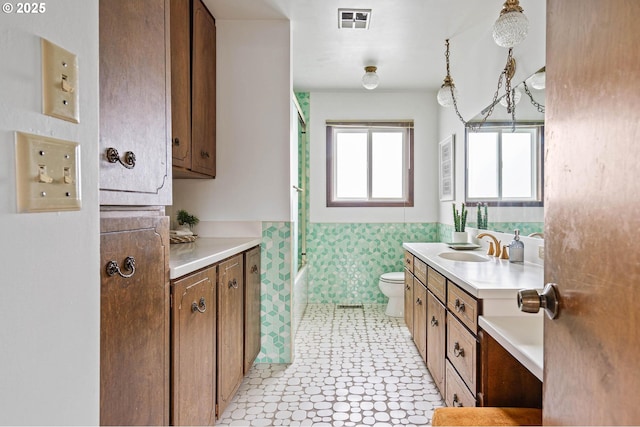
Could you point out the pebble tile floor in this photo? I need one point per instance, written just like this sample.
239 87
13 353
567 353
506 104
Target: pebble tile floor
352 367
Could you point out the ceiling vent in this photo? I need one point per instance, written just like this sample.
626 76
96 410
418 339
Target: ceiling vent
354 18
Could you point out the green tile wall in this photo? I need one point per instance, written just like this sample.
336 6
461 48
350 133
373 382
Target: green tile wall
275 309
346 260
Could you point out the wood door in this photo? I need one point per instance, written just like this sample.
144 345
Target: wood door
592 166
181 82
252 331
230 330
203 95
135 102
408 301
134 322
420 318
436 350
193 369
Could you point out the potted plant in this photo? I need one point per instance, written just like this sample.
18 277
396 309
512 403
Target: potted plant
185 219
459 223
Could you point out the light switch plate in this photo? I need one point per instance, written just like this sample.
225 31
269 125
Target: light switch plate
47 174
59 82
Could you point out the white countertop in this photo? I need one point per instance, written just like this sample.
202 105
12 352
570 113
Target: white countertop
185 258
522 336
496 278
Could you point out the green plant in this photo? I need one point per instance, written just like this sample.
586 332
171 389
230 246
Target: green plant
185 217
483 218
459 218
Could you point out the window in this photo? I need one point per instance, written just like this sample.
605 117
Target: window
370 164
504 165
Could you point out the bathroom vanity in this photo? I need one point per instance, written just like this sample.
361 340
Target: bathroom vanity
480 349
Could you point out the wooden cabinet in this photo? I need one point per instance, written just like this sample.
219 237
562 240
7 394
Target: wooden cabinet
252 331
230 330
408 300
135 103
420 318
193 87
134 321
436 350
193 333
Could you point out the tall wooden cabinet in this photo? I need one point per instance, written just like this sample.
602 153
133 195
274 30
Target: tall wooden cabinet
193 89
135 120
134 321
193 334
230 330
252 332
135 185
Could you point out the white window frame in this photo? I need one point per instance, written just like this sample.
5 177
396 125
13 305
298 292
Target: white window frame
334 128
537 166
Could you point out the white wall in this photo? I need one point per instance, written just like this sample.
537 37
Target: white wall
253 127
376 105
50 303
475 66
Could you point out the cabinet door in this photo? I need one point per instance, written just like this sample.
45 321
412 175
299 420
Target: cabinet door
134 102
436 351
134 322
230 330
193 369
252 308
408 300
181 82
203 94
420 318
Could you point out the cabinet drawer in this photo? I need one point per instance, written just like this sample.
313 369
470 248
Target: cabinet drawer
420 270
457 393
408 261
463 306
437 284
462 352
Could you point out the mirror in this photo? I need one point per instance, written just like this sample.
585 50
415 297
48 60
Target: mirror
507 215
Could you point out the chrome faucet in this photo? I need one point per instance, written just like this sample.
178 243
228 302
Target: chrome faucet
497 242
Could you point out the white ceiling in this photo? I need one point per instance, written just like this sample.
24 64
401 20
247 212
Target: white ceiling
405 39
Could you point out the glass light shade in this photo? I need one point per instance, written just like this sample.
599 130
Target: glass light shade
515 98
538 80
444 95
510 29
370 79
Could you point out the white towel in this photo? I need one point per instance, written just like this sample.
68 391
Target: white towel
181 233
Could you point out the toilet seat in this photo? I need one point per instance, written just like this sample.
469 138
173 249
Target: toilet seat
393 277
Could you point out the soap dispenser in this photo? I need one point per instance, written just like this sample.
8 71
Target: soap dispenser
516 248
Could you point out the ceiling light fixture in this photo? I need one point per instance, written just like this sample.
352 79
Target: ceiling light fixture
538 80
510 29
370 79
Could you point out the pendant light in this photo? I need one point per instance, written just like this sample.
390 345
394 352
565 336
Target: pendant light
512 25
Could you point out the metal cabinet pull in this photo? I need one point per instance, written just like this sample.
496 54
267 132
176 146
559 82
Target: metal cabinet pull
204 154
233 284
408 287
459 306
456 402
129 158
113 268
201 308
419 301
434 321
176 141
457 350
254 268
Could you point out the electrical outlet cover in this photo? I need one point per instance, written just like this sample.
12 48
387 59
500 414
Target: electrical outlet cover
47 174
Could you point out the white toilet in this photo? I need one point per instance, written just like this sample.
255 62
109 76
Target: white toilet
392 285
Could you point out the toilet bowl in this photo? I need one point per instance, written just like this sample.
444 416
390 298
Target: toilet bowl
392 285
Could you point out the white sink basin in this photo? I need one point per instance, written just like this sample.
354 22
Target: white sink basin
463 256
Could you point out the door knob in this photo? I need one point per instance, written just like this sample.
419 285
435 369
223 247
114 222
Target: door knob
530 301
